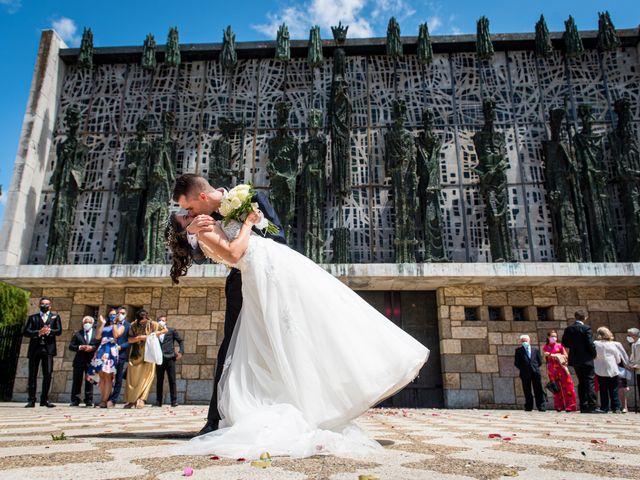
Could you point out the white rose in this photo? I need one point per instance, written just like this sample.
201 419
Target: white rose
235 203
242 192
225 208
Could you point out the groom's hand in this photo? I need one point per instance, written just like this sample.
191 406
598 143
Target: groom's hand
201 223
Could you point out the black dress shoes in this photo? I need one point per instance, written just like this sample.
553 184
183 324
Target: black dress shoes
47 404
89 404
74 404
30 404
174 404
208 428
157 404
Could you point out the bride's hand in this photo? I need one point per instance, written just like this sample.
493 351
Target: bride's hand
202 223
253 218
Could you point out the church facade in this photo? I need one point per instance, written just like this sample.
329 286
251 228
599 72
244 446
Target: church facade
473 188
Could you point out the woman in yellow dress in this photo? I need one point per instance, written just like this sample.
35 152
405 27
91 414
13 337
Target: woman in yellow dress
140 373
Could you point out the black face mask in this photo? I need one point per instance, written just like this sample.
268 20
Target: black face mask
44 308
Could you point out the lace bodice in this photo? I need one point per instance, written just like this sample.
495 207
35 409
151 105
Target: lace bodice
231 230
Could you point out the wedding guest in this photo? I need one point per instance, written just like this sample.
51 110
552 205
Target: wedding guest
557 367
623 376
42 328
528 361
633 337
123 355
608 357
140 373
84 342
169 358
103 366
578 340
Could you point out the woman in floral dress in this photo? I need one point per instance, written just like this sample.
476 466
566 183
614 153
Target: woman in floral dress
103 366
556 357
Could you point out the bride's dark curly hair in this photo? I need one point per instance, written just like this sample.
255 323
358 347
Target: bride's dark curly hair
176 238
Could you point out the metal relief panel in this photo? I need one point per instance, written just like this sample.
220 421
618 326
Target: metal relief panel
453 231
242 147
136 97
76 92
356 73
108 87
231 95
85 245
476 80
587 84
622 70
102 161
552 82
355 216
530 140
539 219
163 94
527 107
189 94
382 224
38 251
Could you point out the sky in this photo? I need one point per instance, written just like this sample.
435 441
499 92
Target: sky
116 22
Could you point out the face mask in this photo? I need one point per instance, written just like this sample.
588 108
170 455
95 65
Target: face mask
44 308
162 324
87 326
122 317
553 339
112 317
631 340
525 344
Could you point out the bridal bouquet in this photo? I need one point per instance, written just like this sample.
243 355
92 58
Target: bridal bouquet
237 204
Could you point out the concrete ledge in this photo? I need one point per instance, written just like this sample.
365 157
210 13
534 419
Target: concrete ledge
370 276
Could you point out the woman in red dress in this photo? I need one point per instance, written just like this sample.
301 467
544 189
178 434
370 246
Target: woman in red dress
556 357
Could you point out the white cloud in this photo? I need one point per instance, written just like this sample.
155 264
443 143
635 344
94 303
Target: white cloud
325 13
434 23
12 6
67 30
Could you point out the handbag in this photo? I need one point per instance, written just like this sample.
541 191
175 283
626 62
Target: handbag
153 350
553 387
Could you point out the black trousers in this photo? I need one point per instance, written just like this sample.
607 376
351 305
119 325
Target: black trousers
609 393
168 366
586 387
79 374
233 292
121 370
535 382
40 357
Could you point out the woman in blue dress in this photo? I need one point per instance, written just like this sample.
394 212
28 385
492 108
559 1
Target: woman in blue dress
103 366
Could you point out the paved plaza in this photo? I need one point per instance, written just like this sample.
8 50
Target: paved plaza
418 444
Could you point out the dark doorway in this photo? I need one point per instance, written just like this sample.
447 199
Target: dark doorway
417 314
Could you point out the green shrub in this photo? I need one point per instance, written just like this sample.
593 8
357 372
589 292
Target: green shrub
13 304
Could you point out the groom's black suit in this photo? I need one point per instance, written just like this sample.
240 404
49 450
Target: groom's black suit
233 293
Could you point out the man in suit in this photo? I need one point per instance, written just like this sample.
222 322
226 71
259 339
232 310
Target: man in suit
169 358
578 340
194 194
84 343
528 360
42 328
123 355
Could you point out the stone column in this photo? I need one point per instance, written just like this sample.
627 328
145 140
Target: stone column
36 141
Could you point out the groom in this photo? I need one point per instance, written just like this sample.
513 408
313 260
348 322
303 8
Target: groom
194 194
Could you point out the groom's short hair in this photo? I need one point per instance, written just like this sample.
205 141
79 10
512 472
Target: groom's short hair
190 185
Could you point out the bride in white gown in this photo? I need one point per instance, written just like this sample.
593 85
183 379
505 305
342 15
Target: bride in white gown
307 356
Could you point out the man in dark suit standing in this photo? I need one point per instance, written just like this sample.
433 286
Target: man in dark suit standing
123 354
42 328
84 343
528 360
194 194
578 339
169 358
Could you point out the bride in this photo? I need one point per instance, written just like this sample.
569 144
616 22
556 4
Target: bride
307 356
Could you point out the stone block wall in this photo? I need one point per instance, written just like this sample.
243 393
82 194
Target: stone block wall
478 354
197 314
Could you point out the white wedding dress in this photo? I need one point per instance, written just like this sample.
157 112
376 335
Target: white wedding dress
307 356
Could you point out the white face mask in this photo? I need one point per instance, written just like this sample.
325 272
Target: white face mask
162 324
631 339
87 327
